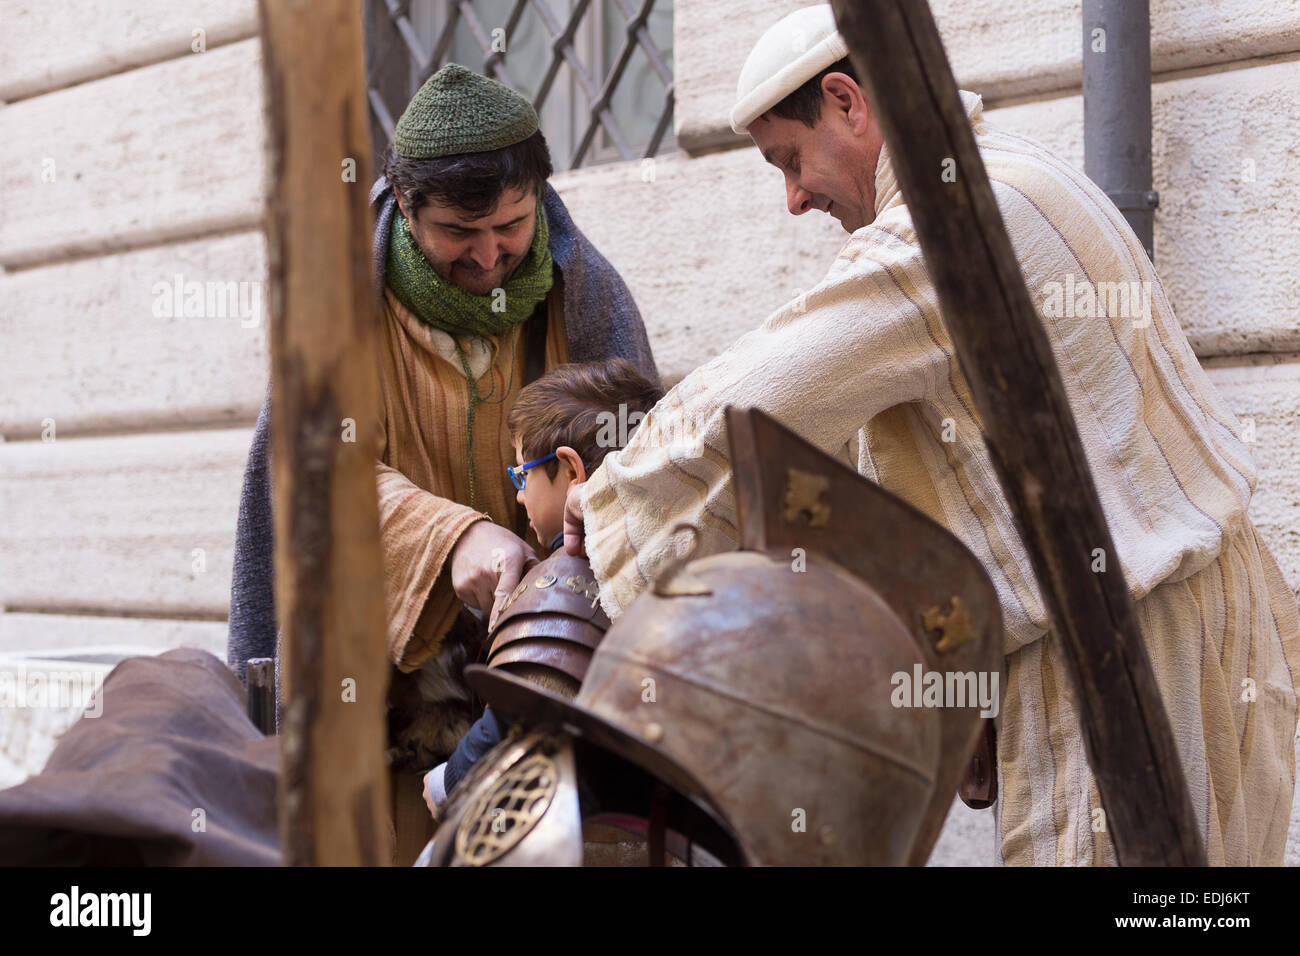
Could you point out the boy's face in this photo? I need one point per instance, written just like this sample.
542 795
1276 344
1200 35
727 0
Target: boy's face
543 496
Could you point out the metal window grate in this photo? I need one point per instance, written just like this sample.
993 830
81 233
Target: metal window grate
578 56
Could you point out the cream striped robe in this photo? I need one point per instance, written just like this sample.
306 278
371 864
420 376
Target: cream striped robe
862 366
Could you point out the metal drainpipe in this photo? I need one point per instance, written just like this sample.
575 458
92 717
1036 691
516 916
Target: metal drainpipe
1117 108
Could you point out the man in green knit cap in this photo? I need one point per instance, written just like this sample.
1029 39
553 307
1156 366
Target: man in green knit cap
484 283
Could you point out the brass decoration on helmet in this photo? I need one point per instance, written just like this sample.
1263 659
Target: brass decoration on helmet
514 595
546 837
502 816
954 627
580 585
803 498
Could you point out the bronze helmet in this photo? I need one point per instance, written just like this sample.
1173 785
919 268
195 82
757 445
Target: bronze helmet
550 624
749 700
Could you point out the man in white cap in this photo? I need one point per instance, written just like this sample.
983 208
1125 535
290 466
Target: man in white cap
862 366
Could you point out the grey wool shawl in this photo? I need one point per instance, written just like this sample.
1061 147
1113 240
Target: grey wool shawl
600 319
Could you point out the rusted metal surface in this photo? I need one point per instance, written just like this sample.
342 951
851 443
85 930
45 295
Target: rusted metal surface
551 622
774 689
570 659
765 697
918 568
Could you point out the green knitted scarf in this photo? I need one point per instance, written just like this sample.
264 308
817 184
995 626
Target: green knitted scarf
446 306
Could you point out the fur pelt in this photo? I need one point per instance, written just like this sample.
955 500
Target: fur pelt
431 708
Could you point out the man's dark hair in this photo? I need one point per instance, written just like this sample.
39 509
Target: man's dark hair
473 182
805 103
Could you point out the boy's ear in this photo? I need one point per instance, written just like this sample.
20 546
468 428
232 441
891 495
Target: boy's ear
573 461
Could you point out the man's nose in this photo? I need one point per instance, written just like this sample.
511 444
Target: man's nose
485 251
519 496
798 199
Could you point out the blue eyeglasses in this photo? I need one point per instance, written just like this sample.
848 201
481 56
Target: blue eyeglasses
518 472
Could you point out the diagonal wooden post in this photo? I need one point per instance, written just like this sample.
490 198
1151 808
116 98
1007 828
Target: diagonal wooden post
1029 429
329 590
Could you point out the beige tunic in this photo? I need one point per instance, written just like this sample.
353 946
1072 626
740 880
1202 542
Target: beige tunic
422 472
863 367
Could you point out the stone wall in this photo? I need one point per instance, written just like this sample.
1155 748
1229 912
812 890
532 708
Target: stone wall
130 154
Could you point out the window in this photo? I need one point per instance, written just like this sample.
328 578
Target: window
599 72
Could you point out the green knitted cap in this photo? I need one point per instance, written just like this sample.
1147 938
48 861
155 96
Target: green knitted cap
459 111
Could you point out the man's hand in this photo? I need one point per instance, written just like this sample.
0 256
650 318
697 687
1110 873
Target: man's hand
574 532
486 564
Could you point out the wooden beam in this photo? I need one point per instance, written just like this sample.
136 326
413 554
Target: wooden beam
1007 359
329 590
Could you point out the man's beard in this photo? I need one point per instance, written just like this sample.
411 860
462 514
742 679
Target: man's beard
477 281
468 277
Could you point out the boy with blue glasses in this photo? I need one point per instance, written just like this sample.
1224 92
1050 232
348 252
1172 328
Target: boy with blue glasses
562 426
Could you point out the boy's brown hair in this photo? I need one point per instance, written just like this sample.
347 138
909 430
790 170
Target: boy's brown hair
572 405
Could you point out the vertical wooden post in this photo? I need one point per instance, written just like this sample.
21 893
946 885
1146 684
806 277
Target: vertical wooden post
1029 429
329 589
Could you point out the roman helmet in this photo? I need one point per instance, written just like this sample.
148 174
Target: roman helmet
746 709
550 624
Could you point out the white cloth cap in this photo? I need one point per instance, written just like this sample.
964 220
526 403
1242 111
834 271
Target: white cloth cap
787 56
